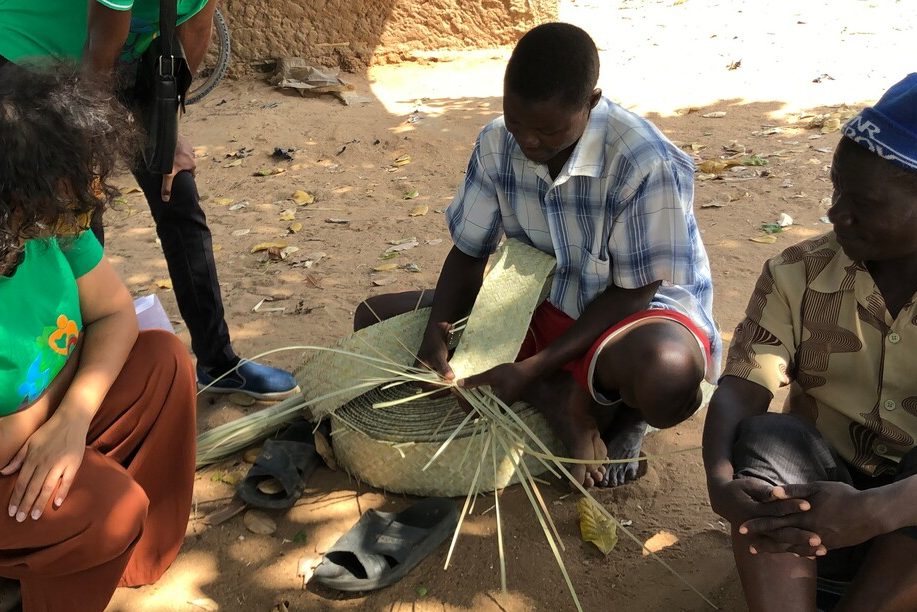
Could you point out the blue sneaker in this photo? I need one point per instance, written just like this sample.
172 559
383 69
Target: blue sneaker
251 378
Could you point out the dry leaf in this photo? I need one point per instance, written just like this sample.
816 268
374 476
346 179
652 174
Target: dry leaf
222 515
714 115
164 283
264 246
288 215
419 211
402 160
386 267
713 166
596 528
301 198
661 540
337 221
765 239
274 254
381 282
270 171
223 201
324 450
251 455
402 247
259 523
231 478
410 195
295 227
200 152
240 232
239 206
233 163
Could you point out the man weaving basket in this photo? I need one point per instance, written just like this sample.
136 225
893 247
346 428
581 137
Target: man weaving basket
626 334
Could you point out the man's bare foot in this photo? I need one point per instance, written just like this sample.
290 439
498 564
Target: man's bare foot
623 438
566 407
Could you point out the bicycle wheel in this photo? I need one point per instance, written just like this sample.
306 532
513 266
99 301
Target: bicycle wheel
215 63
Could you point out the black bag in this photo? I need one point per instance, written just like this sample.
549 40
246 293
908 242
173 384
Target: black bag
163 78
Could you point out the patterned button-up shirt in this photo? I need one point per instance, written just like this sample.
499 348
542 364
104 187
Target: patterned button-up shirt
619 212
817 320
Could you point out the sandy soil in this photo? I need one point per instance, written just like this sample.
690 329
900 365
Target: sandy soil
773 69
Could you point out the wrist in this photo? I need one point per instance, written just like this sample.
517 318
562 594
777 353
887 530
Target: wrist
883 510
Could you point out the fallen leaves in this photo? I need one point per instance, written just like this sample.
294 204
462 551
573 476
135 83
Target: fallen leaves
264 246
302 198
419 211
596 528
259 523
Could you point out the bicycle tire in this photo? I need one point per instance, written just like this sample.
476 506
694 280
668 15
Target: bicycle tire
200 88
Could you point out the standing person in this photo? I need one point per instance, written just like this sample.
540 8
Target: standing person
826 494
97 423
110 36
626 334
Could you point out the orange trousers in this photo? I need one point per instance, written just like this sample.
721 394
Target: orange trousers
124 519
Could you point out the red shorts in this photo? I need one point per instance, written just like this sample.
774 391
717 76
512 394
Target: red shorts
549 323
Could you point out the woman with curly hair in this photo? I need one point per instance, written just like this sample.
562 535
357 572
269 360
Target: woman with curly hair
96 421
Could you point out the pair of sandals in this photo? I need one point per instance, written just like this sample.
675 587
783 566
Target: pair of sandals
380 549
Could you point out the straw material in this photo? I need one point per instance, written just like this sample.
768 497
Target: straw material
389 447
323 372
516 284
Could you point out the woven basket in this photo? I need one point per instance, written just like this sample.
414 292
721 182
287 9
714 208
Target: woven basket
389 447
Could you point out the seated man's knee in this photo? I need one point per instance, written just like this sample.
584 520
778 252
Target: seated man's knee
783 449
363 315
668 386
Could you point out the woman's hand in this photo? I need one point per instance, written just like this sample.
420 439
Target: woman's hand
50 457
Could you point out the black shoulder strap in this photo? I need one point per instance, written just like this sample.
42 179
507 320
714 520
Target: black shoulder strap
168 16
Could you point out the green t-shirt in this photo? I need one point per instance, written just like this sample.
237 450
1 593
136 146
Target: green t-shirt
33 30
41 319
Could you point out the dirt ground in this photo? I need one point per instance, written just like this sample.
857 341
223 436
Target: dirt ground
784 73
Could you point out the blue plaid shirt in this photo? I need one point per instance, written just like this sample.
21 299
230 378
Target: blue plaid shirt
620 212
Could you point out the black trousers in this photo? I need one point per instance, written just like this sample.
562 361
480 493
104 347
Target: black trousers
188 249
781 449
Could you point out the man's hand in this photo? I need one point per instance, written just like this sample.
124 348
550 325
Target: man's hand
434 349
508 381
840 515
51 455
744 500
184 160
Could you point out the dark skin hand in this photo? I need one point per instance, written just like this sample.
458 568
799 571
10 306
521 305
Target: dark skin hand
106 34
739 500
456 291
840 515
510 380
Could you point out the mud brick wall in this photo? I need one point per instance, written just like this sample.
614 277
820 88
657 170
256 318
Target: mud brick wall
353 34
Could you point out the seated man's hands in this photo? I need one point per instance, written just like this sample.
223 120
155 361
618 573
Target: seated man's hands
839 516
434 350
744 501
507 380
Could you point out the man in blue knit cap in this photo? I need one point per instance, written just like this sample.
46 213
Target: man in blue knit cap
823 497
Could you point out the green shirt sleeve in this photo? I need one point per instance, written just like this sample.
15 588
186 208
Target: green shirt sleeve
83 252
117 5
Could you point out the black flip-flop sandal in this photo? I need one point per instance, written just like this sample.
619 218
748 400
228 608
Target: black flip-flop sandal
290 459
384 546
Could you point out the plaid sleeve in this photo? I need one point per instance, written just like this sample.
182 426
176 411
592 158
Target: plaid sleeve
655 236
474 216
764 343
